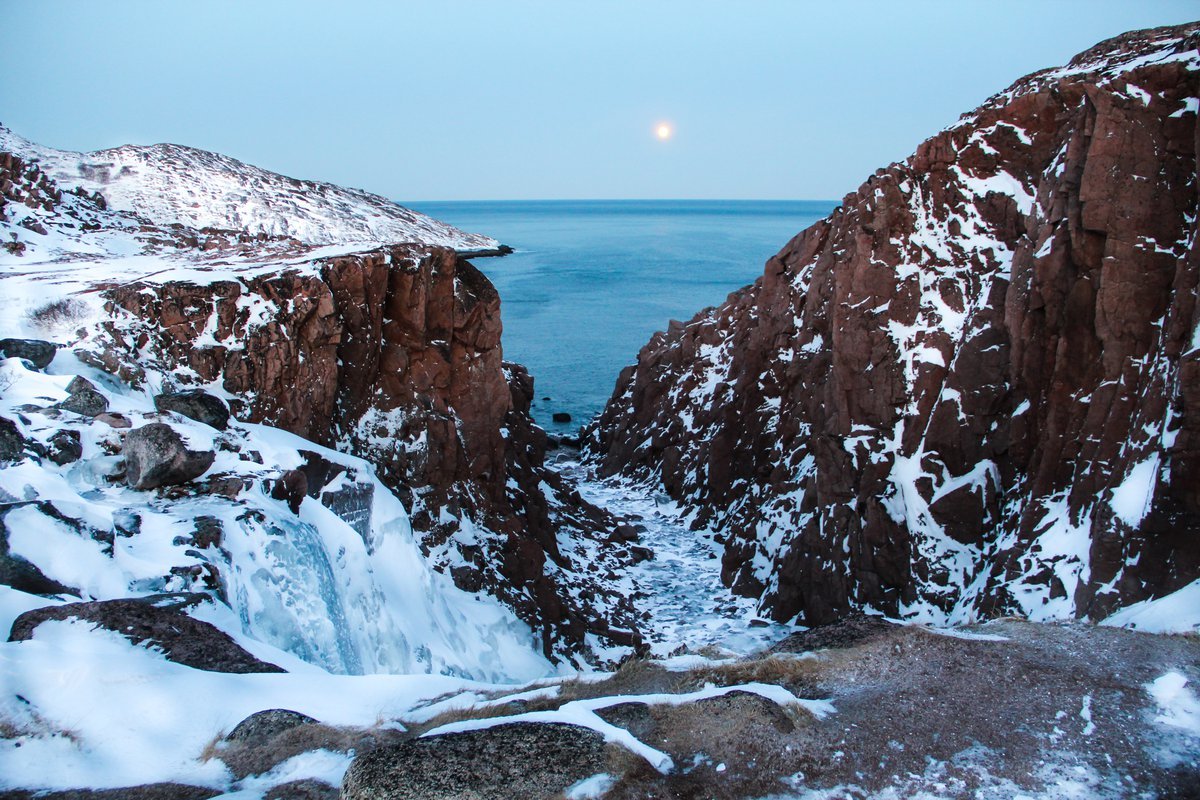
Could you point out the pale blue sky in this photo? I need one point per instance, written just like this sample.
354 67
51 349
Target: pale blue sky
522 99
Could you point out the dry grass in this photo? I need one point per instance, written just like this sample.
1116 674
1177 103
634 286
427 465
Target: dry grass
254 758
58 313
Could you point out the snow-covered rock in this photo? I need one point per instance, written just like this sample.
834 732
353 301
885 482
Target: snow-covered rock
973 388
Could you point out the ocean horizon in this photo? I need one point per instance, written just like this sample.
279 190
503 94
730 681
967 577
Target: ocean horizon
590 281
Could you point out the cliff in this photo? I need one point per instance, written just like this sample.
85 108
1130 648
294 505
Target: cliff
973 389
389 352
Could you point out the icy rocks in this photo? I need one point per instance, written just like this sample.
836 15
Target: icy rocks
973 388
156 455
158 621
532 761
66 447
35 351
196 404
263 725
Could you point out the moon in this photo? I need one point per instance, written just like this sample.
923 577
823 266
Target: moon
663 131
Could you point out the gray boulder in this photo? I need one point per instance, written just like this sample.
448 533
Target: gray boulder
196 404
157 621
87 402
35 351
155 455
530 760
264 725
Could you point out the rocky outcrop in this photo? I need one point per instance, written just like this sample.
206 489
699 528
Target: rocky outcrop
392 355
196 404
973 388
158 621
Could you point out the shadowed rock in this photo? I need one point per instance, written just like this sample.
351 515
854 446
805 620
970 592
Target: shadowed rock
35 351
196 404
87 402
158 621
149 791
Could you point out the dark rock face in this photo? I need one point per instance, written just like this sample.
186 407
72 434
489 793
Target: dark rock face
155 455
973 388
35 351
196 404
263 725
523 759
13 445
848 631
158 621
392 355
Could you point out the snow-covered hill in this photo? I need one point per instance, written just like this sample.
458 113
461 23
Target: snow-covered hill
173 184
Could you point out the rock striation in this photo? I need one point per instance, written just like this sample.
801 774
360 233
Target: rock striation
973 389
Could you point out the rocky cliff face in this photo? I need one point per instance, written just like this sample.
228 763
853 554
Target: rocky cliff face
394 356
973 388
391 353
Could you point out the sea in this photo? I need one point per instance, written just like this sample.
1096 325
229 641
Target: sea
591 281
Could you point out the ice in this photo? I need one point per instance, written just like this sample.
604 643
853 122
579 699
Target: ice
1131 500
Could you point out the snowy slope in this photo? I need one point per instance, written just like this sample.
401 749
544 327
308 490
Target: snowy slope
173 184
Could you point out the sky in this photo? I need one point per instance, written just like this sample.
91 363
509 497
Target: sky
525 99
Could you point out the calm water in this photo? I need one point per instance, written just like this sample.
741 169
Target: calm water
592 280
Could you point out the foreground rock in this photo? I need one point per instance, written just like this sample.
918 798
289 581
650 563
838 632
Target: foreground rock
158 622
156 455
973 388
151 791
526 760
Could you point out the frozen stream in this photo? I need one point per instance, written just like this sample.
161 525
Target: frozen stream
680 586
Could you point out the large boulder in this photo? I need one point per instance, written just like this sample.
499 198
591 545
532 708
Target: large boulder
149 791
159 621
156 455
523 759
13 445
35 351
196 404
87 402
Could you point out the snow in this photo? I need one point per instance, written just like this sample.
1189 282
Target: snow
174 184
133 717
1132 499
591 788
1178 612
1178 705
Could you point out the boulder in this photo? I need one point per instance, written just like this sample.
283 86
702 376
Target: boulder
157 621
35 351
87 402
155 455
65 447
13 445
529 760
264 725
304 789
846 632
196 404
561 416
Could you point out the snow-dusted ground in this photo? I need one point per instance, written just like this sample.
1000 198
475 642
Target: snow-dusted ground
680 586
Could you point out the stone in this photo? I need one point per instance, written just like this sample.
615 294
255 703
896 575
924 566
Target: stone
13 445
66 447
196 404
35 351
157 621
261 726
149 791
114 420
18 572
304 789
561 416
78 384
533 761
87 402
155 455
